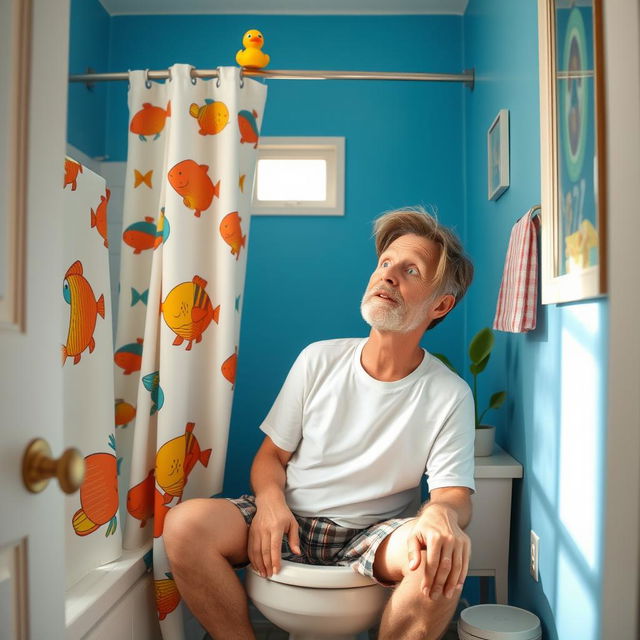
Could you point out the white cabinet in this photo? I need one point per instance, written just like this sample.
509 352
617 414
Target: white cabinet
491 519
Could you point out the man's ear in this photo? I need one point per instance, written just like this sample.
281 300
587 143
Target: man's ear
447 302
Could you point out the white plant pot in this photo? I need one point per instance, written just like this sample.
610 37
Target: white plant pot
485 437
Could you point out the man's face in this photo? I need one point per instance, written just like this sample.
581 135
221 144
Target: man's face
399 293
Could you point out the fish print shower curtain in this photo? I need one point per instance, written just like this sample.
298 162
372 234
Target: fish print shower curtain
92 531
191 160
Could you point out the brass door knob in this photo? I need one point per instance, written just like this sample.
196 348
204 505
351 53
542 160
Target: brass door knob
38 467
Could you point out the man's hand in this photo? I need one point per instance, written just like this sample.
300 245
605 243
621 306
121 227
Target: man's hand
272 520
448 549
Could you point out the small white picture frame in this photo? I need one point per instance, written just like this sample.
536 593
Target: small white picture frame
498 155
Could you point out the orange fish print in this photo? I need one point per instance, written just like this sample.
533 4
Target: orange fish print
229 367
175 460
193 453
139 179
231 232
99 218
124 412
140 235
163 229
129 357
167 596
191 181
241 182
140 499
160 510
150 120
248 125
98 495
71 170
212 116
187 310
84 312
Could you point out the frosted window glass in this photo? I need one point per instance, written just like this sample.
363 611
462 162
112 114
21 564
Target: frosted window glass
292 180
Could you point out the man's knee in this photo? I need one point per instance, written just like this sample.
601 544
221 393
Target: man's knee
180 525
433 613
198 524
188 523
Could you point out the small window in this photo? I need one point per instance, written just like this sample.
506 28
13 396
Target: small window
299 176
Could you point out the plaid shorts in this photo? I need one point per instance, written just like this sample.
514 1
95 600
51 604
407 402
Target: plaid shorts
322 541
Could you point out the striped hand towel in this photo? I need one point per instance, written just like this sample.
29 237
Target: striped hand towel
518 297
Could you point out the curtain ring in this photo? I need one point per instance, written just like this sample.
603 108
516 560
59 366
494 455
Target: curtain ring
194 80
169 72
218 78
147 82
241 79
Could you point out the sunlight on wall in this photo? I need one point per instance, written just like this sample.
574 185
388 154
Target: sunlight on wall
581 384
544 433
577 602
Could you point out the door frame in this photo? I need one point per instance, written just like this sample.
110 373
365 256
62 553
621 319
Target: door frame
621 495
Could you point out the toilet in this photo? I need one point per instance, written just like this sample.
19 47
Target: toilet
314 602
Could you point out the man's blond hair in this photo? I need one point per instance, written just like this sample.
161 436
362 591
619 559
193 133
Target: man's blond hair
454 272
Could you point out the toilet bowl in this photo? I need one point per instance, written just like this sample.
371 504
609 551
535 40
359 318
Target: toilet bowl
314 602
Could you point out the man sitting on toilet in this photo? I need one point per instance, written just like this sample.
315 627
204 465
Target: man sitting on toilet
355 425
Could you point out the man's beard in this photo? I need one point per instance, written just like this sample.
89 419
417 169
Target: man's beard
391 316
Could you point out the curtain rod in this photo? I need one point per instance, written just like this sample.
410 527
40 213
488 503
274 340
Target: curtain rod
466 77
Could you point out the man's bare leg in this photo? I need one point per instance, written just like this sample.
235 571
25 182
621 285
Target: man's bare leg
203 538
409 614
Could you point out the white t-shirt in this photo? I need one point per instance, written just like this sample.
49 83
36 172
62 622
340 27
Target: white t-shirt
361 445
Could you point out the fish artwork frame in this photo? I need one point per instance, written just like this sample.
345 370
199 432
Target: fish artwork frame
572 151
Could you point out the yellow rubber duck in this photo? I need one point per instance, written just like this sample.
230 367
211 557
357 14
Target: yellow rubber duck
251 56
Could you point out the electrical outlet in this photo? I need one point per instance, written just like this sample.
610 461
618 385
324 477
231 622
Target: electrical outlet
533 555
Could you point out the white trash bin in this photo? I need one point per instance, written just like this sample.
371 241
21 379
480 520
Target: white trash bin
498 622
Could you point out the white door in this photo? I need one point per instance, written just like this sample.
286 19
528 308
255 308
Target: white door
31 525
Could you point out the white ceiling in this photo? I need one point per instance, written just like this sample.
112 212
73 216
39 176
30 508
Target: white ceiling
289 7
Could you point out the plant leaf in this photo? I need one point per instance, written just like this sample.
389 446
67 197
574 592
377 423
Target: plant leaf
481 345
478 367
497 399
446 361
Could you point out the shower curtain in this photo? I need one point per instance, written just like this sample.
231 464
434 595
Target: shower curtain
190 166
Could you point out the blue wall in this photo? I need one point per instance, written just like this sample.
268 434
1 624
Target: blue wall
88 48
555 376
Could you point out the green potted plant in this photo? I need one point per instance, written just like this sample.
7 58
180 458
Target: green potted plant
479 352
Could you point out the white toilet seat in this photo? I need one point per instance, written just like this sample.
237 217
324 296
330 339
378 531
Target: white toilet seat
318 576
315 602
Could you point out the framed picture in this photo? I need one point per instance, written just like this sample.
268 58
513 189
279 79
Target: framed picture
498 155
572 148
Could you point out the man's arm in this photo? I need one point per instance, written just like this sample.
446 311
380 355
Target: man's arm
273 517
456 498
268 471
